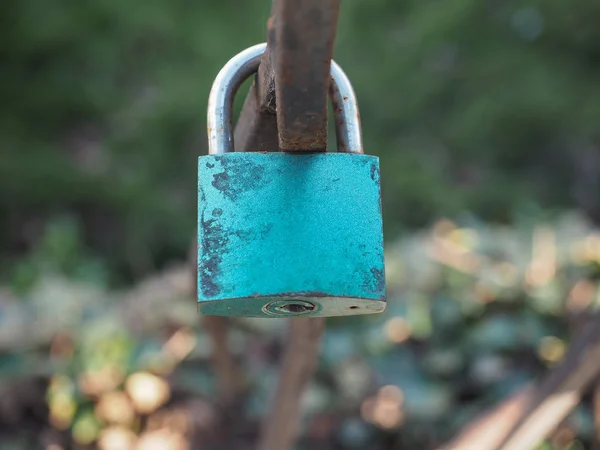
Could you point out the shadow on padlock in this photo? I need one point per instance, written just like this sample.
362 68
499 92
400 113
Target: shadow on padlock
288 234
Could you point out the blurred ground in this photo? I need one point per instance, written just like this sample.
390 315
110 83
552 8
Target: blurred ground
475 312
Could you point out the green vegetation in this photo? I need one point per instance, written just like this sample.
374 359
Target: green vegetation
480 106
475 313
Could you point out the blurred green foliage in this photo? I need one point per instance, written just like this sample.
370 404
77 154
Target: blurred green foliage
486 106
475 313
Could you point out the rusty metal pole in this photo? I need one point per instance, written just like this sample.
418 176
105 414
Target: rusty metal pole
286 110
300 42
302 49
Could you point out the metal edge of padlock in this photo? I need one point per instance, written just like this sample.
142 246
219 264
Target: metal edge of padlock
212 245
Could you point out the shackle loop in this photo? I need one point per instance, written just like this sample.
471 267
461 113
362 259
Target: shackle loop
243 65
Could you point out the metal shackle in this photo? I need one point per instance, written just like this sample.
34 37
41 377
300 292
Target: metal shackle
243 65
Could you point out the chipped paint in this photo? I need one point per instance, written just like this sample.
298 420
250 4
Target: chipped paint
236 176
295 227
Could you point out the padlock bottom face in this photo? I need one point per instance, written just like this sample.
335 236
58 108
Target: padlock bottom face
291 306
285 235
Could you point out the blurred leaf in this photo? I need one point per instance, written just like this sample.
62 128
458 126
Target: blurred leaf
425 399
338 345
499 332
12 365
443 361
355 433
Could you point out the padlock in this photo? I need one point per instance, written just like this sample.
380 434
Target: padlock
285 234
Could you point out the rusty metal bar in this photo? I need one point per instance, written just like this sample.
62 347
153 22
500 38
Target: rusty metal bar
256 128
294 70
294 73
301 51
300 42
280 426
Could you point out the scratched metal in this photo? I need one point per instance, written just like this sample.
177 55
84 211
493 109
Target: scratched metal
299 230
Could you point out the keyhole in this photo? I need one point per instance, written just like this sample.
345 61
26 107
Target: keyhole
291 307
296 307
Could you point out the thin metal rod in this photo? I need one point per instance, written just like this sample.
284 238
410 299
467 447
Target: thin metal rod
243 65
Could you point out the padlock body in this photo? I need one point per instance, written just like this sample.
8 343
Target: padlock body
284 235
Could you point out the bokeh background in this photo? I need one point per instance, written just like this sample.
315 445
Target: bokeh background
485 117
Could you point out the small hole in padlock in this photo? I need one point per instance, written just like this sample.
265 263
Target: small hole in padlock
296 307
291 307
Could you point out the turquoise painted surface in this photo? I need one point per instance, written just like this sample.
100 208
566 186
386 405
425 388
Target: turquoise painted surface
281 227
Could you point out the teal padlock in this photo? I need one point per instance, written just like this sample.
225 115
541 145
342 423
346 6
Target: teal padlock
288 234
